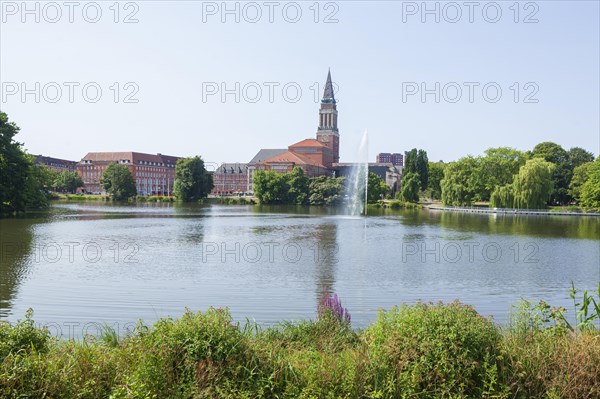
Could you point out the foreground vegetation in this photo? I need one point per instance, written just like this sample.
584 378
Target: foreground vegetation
420 351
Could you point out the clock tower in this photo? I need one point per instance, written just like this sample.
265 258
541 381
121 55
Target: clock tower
327 132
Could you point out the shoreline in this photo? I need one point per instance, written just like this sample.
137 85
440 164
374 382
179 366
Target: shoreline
503 211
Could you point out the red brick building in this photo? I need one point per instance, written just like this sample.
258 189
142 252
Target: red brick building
230 178
154 174
57 165
311 155
393 158
315 156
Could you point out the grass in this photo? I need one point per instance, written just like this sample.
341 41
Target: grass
80 197
424 350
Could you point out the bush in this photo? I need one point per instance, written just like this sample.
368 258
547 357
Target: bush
190 356
24 336
419 351
430 350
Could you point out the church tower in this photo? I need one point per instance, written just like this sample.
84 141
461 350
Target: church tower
327 132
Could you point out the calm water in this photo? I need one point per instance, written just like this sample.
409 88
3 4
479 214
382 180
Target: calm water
92 263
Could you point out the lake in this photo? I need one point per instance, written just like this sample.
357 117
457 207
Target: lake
79 265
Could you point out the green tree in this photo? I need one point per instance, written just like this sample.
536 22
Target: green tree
457 184
503 197
590 190
270 187
497 168
562 173
67 182
580 176
410 161
416 161
436 174
550 152
578 156
324 190
376 188
37 184
409 189
533 184
117 180
15 166
192 181
423 168
298 186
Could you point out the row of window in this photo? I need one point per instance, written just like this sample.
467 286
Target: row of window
168 165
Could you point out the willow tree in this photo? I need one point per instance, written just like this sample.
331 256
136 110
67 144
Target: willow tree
503 197
457 184
590 190
409 190
533 184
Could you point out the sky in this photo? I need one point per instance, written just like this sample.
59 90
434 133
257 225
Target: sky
224 79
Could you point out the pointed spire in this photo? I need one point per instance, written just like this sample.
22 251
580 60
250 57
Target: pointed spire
328 92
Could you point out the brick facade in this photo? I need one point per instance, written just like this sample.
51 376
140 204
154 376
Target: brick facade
154 174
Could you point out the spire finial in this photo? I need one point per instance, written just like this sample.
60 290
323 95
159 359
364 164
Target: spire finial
328 92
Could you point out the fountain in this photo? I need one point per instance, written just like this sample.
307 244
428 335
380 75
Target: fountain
358 180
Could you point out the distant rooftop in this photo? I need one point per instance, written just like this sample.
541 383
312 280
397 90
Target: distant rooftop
266 153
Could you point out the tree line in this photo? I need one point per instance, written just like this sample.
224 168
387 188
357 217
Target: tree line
26 185
509 178
503 176
296 188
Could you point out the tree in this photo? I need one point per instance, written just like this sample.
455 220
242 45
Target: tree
409 190
423 168
270 187
15 166
550 152
580 176
562 173
37 184
416 162
578 156
410 161
298 186
503 197
192 181
457 186
67 182
436 174
497 168
117 180
376 188
590 190
533 184
325 190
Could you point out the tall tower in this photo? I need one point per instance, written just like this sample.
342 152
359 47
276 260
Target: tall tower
327 132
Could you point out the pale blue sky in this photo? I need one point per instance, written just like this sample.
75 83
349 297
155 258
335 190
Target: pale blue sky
171 53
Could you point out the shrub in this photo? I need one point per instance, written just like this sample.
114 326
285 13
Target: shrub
430 350
190 356
24 336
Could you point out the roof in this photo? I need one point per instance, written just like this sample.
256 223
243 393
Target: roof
266 153
133 157
41 159
308 143
328 91
292 157
232 168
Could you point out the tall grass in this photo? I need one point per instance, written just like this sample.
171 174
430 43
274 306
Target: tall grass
424 350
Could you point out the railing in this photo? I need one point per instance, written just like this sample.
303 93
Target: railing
474 209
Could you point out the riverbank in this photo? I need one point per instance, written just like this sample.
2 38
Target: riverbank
422 351
501 211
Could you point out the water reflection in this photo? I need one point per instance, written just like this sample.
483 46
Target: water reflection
274 262
16 238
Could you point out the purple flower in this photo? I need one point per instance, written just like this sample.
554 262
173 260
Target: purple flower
331 304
